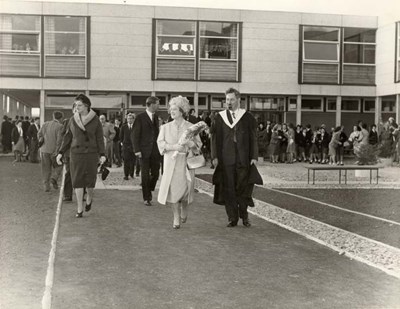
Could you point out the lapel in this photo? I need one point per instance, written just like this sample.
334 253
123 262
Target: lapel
88 118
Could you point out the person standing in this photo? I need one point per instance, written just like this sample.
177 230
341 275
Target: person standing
145 133
235 150
109 134
50 132
126 138
6 129
33 140
177 181
84 140
18 141
116 143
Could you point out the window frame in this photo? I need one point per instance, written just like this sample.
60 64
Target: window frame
388 112
351 111
40 44
329 110
196 52
364 103
321 109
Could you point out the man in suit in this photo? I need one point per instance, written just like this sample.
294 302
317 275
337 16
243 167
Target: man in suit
126 138
145 133
33 140
116 142
109 134
234 150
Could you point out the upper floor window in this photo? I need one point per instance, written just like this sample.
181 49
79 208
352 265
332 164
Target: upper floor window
178 56
333 55
20 45
65 46
397 57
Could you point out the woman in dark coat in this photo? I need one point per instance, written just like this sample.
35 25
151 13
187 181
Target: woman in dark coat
84 139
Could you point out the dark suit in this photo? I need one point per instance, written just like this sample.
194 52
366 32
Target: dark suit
235 148
126 138
33 143
145 133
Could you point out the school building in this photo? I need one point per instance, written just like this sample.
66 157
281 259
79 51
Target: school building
289 66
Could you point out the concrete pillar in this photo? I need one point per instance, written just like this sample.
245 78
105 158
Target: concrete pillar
42 99
298 109
338 111
378 112
153 93
397 108
2 106
196 103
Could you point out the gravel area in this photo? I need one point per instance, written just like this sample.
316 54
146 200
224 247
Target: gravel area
379 255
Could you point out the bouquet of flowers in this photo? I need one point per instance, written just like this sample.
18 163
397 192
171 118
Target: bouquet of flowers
189 134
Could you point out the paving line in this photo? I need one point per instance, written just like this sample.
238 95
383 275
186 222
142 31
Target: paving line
336 207
46 300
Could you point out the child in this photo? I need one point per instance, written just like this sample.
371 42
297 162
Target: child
314 148
333 145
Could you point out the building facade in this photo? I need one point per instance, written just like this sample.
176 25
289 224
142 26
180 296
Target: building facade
290 67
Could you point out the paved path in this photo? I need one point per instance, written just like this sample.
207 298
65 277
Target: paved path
125 255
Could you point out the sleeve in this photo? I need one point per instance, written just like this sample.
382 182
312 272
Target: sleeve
66 138
137 130
121 134
100 138
59 138
253 138
161 143
213 139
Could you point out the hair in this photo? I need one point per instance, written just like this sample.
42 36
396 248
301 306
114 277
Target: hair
151 100
233 90
26 117
37 118
364 125
308 126
182 103
191 111
5 117
373 126
84 99
58 115
337 129
18 121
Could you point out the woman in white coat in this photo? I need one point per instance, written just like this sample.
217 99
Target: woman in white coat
177 182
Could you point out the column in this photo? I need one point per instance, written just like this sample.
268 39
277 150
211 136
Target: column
378 112
196 103
42 99
397 108
338 111
298 110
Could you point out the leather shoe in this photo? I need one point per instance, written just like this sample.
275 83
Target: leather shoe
79 214
175 227
54 183
126 178
246 223
88 206
231 224
147 203
67 199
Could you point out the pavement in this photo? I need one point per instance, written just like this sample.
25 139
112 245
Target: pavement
123 254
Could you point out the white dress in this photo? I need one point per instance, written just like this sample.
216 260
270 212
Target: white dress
177 181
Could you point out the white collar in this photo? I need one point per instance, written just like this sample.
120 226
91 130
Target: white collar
150 114
238 115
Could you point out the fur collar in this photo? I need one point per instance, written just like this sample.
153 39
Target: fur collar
87 119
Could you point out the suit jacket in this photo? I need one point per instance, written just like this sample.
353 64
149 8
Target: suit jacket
246 137
145 133
15 135
32 132
51 132
126 137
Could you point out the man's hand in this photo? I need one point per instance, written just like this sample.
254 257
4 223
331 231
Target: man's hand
138 154
58 159
253 161
215 162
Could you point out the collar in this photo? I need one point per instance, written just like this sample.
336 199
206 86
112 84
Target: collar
150 114
238 115
81 124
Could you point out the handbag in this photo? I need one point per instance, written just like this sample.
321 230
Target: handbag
196 161
104 171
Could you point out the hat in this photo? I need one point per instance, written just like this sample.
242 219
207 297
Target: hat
84 99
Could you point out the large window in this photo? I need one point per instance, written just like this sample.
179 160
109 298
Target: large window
320 55
358 56
179 57
350 105
20 45
65 46
397 65
311 104
333 55
267 103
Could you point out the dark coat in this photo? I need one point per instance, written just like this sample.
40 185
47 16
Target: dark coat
126 138
249 179
32 133
15 135
373 137
6 128
145 133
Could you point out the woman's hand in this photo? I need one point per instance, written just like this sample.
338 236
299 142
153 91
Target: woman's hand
180 148
58 159
103 159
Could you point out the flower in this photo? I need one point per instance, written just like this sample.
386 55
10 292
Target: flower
189 134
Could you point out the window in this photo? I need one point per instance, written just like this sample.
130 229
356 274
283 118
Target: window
139 100
177 56
20 45
359 56
388 104
65 46
397 65
311 104
218 102
333 55
331 104
350 105
267 103
292 103
369 105
320 55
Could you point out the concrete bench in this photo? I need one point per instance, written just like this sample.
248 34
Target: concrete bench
341 168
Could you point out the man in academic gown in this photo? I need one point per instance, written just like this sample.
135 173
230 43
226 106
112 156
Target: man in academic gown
235 149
